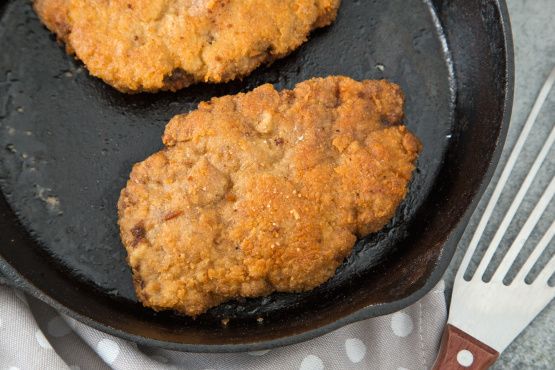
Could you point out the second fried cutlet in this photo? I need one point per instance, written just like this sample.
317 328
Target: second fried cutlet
150 45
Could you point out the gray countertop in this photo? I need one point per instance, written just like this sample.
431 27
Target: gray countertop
533 23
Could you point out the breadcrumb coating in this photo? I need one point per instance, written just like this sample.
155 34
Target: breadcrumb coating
264 191
151 45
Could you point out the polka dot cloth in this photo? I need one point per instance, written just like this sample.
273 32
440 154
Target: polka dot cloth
40 338
401 324
108 350
356 350
312 362
57 327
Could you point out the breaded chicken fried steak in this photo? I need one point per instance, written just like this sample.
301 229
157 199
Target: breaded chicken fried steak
151 45
265 191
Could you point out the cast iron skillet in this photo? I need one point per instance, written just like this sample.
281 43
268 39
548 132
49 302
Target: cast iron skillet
67 143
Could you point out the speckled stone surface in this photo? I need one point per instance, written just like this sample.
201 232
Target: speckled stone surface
533 23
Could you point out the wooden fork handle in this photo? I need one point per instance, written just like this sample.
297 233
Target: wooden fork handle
460 351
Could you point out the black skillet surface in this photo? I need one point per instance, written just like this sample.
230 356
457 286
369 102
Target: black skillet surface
67 143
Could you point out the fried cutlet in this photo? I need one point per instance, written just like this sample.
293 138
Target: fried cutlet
265 191
151 45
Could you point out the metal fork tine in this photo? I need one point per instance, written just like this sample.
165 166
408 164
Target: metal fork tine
536 253
547 272
540 100
490 311
525 232
494 244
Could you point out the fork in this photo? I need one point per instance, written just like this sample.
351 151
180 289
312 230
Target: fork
485 317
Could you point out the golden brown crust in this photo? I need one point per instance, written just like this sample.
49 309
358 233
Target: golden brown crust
150 45
265 191
54 14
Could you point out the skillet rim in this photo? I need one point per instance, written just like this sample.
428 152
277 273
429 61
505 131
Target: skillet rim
10 276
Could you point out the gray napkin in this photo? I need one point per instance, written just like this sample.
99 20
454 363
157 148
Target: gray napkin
35 336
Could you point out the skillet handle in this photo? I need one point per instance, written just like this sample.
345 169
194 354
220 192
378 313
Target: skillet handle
460 351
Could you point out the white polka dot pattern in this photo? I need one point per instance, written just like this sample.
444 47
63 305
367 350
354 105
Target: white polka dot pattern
312 362
57 327
108 350
356 350
401 324
387 342
41 339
